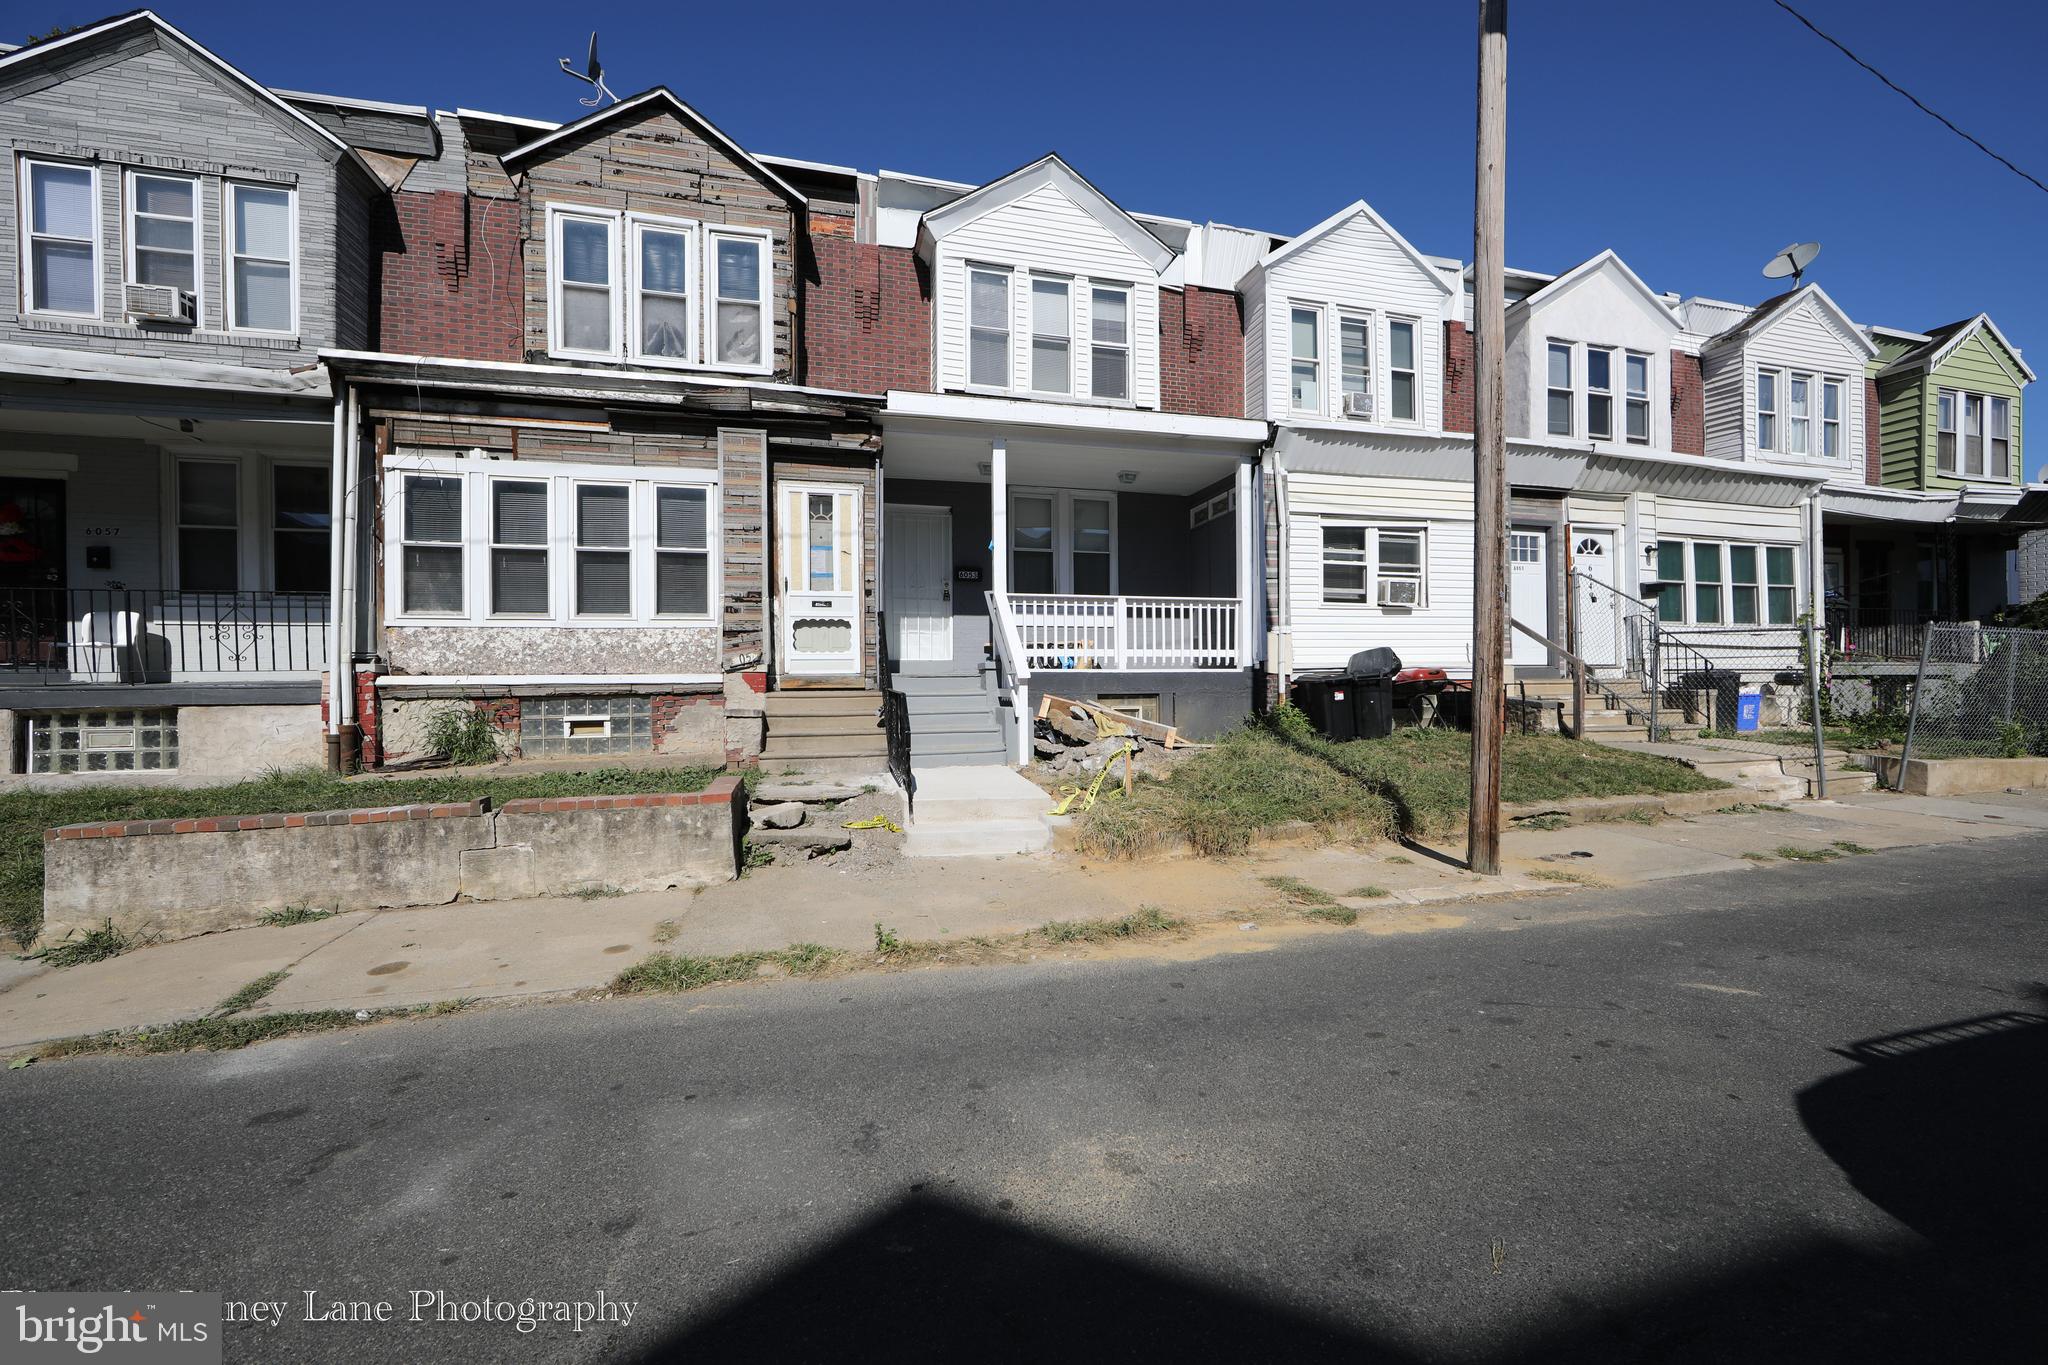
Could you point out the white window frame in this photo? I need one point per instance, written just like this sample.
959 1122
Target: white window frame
709 550
1969 400
1322 402
1063 501
573 531
1631 399
1831 428
1774 413
1347 318
1799 424
636 226
766 242
476 475
1994 404
1065 283
492 545
132 243
1374 563
1211 509
1608 392
1128 346
28 237
1690 584
614 225
968 328
228 254
1414 373
1948 421
1570 388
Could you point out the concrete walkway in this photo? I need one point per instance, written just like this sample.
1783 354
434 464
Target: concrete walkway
512 949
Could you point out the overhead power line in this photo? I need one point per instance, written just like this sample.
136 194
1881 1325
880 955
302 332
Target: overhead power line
1919 104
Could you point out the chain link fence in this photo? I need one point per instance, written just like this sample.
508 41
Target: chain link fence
1745 689
1979 692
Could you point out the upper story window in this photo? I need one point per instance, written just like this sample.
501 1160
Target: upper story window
1636 367
1109 313
1831 418
1052 336
1305 360
1799 414
988 328
1766 410
1984 423
262 259
163 231
1600 393
1354 365
630 286
1559 417
1403 393
61 222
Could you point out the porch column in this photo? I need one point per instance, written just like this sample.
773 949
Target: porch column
999 517
1250 521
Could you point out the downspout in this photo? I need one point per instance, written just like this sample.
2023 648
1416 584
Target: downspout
1284 631
337 485
349 731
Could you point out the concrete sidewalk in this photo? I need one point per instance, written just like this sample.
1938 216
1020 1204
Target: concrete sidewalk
510 949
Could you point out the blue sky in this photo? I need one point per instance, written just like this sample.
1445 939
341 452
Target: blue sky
1695 139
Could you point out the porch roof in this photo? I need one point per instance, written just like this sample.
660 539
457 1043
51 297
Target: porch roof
2003 509
602 384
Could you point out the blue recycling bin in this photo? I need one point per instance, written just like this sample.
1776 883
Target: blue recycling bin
1749 711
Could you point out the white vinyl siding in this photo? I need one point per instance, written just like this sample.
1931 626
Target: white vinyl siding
1046 233
1435 634
1805 342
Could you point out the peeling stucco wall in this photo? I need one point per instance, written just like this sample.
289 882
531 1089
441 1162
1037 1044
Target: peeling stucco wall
521 651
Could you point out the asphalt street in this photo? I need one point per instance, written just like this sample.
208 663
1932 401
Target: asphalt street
1790 1114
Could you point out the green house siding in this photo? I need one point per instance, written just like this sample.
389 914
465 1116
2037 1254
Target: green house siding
1907 409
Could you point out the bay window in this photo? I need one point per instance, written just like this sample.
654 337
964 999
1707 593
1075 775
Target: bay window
1599 393
61 231
163 231
1381 566
1109 357
1052 361
1305 360
740 278
262 258
1403 395
1559 416
1638 417
988 328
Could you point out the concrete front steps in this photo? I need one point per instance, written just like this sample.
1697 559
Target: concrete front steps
975 810
953 720
1616 708
825 733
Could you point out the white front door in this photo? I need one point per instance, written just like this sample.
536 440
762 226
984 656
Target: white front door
1597 608
1528 596
918 552
818 582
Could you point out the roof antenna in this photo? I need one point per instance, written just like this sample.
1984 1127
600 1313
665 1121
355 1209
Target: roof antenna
591 74
1792 261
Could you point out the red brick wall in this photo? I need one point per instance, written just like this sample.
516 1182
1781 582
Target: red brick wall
867 313
1457 377
451 276
1688 406
370 747
1201 352
1873 462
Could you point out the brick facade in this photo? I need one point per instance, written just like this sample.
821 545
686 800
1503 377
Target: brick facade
1457 377
371 745
1688 406
867 313
450 283
1201 352
1873 459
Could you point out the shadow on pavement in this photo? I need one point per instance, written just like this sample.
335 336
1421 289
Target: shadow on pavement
1942 1127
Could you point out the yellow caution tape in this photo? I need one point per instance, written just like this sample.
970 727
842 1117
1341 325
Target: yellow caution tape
1070 793
874 822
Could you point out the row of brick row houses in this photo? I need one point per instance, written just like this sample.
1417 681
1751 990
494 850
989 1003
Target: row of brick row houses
319 416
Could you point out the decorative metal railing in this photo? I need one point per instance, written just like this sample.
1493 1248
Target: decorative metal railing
139 635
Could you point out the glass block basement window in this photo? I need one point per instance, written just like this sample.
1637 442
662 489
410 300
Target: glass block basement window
102 741
567 727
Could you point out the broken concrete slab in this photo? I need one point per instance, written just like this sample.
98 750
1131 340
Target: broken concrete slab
771 792
782 815
811 840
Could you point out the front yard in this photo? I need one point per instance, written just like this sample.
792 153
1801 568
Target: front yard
1414 784
25 815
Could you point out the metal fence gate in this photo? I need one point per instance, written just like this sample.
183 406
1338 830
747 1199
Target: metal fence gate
1979 692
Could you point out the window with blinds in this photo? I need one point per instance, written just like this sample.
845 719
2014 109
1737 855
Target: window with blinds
519 547
430 549
604 538
682 551
988 328
61 225
262 253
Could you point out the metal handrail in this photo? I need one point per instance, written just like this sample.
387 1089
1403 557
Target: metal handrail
1578 672
1015 666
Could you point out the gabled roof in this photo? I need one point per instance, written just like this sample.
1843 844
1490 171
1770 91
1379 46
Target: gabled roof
1608 263
1047 170
1767 313
663 96
264 99
1942 341
1359 209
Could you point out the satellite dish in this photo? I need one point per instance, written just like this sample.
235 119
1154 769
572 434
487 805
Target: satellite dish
592 74
1792 261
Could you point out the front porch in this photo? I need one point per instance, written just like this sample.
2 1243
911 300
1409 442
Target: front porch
1110 558
1893 565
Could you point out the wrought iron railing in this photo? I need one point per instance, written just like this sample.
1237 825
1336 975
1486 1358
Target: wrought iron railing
140 635
1878 634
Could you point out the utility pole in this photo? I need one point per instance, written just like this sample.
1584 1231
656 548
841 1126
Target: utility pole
1489 442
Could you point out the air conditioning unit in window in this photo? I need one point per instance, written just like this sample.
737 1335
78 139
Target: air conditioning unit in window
1400 592
157 303
1358 405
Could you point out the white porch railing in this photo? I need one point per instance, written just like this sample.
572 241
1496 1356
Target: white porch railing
1149 634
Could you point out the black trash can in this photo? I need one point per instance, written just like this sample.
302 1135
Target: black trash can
1355 702
1721 699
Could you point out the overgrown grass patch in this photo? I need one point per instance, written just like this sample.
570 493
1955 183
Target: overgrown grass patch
225 1033
1368 893
94 945
1299 891
1753 808
1146 919
295 914
1794 854
1558 874
1851 846
1331 914
671 972
24 815
250 994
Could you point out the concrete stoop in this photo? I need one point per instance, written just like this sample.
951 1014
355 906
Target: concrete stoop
1778 778
975 810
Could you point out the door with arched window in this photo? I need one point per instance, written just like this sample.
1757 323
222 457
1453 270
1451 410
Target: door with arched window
1597 609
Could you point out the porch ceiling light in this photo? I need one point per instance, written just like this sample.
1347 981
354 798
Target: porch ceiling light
1127 476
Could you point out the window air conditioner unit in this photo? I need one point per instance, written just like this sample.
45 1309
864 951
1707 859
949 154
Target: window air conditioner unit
1400 592
157 303
1358 405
